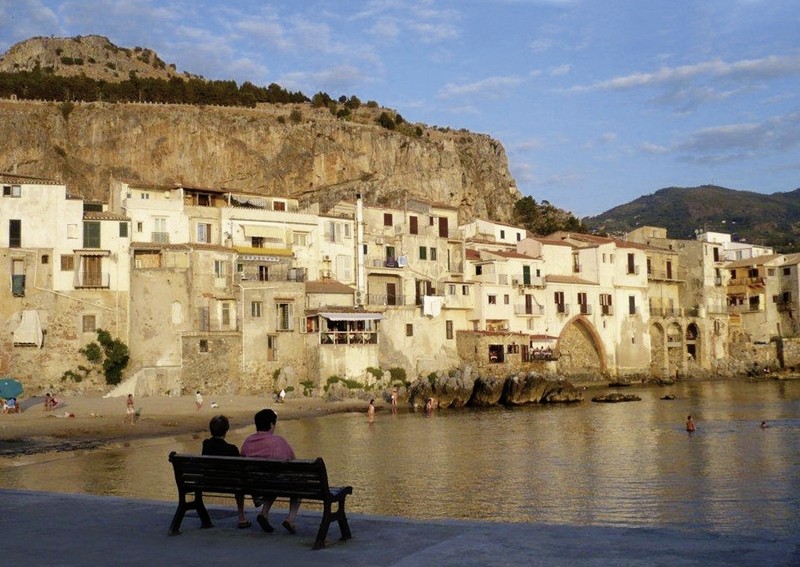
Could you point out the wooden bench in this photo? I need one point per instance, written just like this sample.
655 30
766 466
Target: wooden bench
197 475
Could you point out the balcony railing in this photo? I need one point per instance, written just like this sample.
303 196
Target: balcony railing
562 308
385 299
585 309
91 280
532 310
529 281
632 270
348 337
666 312
159 237
785 305
757 281
607 310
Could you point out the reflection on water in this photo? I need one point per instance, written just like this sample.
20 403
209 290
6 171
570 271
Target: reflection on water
615 464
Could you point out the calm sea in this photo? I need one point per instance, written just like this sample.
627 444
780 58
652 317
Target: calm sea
629 464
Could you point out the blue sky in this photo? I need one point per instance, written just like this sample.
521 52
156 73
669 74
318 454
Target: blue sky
596 102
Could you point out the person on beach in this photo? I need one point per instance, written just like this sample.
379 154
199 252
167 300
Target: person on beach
429 405
764 425
265 444
690 424
217 446
50 402
198 400
130 410
371 411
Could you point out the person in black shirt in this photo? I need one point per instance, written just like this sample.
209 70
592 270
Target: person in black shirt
217 446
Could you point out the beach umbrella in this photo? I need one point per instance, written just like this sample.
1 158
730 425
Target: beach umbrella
10 388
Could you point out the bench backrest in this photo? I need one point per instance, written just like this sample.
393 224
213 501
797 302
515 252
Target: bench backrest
302 478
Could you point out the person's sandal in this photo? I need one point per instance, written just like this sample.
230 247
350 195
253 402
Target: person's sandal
264 523
244 525
289 527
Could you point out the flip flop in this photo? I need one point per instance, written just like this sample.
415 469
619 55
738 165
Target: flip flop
244 525
289 527
264 523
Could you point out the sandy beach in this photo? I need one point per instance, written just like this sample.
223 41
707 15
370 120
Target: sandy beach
98 420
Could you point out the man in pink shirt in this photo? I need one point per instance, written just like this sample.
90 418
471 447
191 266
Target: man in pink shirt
266 445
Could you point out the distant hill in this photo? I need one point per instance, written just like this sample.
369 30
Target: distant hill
91 56
770 220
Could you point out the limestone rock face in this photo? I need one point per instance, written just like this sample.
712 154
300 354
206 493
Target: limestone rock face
487 391
317 159
536 389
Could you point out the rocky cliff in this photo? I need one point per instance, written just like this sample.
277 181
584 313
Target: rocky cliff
313 157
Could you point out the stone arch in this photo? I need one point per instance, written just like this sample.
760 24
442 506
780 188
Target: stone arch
674 348
579 348
693 342
659 364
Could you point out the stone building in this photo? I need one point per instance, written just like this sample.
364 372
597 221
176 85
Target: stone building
67 264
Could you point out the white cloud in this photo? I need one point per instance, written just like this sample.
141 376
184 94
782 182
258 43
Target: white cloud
560 70
744 70
491 87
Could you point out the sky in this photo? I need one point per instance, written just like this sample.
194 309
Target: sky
596 102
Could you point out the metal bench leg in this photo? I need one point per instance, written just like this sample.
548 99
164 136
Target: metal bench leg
322 533
205 519
343 525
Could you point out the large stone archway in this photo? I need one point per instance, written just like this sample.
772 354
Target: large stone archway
580 351
674 349
658 351
693 342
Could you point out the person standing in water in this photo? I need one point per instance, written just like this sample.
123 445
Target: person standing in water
690 424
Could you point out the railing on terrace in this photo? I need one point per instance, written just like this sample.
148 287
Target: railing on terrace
385 299
562 309
381 262
666 311
530 281
745 308
748 281
91 280
159 237
663 275
532 310
348 337
786 305
606 310
584 309
535 354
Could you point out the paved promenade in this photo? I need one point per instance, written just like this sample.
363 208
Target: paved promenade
39 528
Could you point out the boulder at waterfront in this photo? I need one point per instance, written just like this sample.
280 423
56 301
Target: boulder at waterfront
615 397
535 389
487 391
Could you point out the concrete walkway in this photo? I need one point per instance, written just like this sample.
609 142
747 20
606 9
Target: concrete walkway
39 528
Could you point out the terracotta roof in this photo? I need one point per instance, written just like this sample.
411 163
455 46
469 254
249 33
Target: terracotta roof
15 178
471 254
188 247
102 215
512 254
757 261
328 286
568 280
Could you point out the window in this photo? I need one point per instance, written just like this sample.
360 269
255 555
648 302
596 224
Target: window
519 236
45 259
139 227
89 323
14 233
263 273
576 263
299 239
203 232
605 304
225 314
451 289
631 264
257 241
464 290
409 330
91 235
67 263
583 303
203 345
558 297
413 225
492 299
432 253
12 191
716 254
502 234
278 206
203 319
160 233
787 271
283 316
387 219
123 230
423 253
632 305
255 308
220 270
506 299
444 229
272 347
448 329
347 231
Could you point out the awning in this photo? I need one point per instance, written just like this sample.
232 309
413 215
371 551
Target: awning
352 316
261 231
29 331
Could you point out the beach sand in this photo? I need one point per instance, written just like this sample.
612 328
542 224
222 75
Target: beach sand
98 420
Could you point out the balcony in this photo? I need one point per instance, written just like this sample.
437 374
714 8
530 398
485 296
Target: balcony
785 305
632 270
89 280
607 310
585 309
159 237
348 337
666 312
385 300
662 275
529 281
530 310
562 309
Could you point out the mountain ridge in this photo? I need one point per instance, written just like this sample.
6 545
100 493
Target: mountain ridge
767 219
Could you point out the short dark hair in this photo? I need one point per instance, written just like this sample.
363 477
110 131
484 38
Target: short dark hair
265 419
218 426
